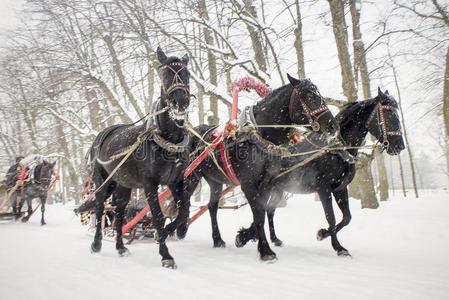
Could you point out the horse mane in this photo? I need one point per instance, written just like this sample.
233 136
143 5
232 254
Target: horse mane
350 109
273 94
346 111
37 171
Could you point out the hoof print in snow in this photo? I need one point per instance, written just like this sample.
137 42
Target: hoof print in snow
169 264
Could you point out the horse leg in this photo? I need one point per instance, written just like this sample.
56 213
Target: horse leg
180 222
122 196
341 198
158 220
276 198
326 201
245 235
215 192
190 184
274 239
100 197
43 201
257 201
22 201
15 204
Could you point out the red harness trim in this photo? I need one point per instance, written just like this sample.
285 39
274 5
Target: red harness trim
24 173
229 169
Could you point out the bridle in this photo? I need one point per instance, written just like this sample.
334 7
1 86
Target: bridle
382 122
177 82
312 115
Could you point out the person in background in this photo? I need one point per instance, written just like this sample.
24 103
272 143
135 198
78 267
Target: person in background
13 172
28 164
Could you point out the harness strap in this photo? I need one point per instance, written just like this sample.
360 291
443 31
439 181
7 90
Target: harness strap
177 82
312 115
382 122
229 169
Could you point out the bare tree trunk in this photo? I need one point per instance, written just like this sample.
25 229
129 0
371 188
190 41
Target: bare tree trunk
200 99
109 95
298 42
150 82
341 40
121 76
404 128
212 63
255 36
360 66
401 172
362 187
446 108
94 108
71 182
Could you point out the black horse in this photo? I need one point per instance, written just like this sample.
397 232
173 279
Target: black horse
255 165
160 158
36 188
330 173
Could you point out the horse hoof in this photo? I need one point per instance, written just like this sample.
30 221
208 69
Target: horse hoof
123 252
220 244
238 242
95 247
181 232
321 234
25 219
343 253
269 258
169 264
43 223
278 243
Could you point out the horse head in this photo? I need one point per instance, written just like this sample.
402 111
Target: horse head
308 106
45 171
175 78
384 123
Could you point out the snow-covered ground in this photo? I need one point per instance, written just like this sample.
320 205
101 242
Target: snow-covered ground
400 251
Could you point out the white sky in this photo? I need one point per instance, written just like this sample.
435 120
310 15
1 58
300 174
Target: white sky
8 18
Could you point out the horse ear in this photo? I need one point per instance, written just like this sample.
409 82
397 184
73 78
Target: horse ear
161 55
379 92
292 80
185 59
386 92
